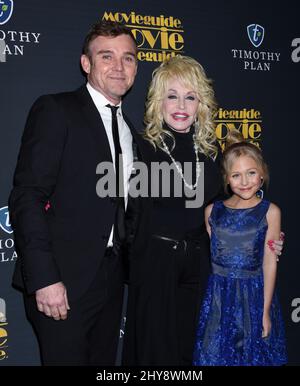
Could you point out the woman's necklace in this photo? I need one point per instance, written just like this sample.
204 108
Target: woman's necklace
179 168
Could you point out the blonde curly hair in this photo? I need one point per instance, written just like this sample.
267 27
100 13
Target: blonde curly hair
192 75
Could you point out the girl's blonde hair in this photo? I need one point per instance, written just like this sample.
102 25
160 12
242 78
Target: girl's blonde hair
192 75
237 146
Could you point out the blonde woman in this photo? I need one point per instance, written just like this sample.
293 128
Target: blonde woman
169 262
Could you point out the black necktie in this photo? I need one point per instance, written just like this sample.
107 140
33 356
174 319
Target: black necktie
119 226
118 151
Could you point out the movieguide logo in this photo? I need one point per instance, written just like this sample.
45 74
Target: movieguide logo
246 121
157 37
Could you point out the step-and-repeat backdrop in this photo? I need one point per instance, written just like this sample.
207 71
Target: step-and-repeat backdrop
250 49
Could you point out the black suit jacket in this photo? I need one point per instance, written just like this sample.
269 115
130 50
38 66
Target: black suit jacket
63 142
139 214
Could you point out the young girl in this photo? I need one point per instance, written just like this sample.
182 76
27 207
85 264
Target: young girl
240 321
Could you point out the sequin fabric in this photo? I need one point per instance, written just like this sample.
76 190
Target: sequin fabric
229 332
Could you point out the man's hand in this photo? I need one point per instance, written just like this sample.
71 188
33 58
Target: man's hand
52 301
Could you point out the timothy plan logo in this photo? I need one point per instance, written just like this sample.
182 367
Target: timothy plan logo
12 42
6 9
255 59
256 34
7 251
4 219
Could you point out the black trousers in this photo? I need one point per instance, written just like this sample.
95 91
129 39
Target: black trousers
90 334
165 291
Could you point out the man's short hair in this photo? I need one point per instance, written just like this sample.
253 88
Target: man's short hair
105 28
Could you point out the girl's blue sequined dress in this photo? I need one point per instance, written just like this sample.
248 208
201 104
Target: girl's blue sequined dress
230 325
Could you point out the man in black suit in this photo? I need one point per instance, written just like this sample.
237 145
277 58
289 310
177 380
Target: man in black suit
69 265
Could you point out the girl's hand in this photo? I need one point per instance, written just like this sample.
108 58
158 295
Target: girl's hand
267 325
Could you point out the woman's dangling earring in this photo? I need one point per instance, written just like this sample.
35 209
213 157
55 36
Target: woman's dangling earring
196 123
260 192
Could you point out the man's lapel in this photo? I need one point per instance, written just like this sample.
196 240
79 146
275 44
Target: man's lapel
95 124
136 139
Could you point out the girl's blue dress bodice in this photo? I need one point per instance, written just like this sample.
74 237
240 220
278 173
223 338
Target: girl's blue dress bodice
230 323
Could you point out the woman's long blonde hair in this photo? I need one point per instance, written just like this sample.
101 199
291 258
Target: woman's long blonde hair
192 75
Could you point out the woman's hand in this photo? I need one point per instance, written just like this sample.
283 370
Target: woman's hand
276 246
